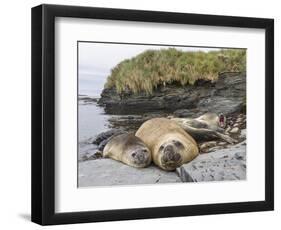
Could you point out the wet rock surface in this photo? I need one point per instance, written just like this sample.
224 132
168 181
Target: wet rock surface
107 172
104 136
84 99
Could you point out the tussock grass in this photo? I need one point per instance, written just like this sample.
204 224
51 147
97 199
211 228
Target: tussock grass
153 68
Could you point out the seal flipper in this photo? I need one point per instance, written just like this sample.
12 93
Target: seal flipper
206 134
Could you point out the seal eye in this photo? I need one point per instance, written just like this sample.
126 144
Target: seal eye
133 154
161 148
177 144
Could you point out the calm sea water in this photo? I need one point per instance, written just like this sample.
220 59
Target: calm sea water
91 118
92 121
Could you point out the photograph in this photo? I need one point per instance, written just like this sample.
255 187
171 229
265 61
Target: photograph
152 113
140 114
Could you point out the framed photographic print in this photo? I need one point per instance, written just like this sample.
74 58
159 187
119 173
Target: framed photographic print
142 114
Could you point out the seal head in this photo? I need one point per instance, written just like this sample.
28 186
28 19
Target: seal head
170 154
170 145
128 149
137 156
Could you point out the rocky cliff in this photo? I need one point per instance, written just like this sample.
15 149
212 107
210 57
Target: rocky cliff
226 95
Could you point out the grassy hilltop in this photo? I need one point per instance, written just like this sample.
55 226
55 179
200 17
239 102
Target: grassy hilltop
152 68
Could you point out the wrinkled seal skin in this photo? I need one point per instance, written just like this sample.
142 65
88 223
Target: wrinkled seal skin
169 144
207 121
209 126
128 149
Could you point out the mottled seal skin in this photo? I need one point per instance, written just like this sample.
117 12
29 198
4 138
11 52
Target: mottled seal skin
213 121
210 121
128 149
169 144
207 127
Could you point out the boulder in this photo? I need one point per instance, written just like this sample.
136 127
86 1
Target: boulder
220 165
234 130
104 136
207 145
108 172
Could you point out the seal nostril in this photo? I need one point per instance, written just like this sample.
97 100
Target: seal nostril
170 155
177 157
140 157
169 148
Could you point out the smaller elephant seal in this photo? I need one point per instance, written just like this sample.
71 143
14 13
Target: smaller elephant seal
210 121
169 144
209 126
128 149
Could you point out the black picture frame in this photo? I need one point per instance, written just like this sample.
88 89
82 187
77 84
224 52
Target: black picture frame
43 114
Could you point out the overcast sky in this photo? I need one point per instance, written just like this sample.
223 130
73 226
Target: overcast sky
96 59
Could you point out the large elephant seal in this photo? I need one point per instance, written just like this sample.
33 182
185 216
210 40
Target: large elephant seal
128 149
169 144
209 126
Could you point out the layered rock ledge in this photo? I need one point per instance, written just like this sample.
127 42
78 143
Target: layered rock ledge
226 95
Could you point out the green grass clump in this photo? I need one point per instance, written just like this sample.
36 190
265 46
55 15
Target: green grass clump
153 68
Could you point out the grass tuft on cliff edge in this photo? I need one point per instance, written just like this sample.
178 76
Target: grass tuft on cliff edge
153 68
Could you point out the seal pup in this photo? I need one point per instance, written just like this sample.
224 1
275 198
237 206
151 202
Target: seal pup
209 126
169 144
128 149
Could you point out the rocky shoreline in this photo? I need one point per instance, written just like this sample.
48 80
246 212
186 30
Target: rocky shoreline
235 128
218 160
224 164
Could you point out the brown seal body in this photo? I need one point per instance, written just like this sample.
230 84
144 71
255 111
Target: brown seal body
128 149
169 144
